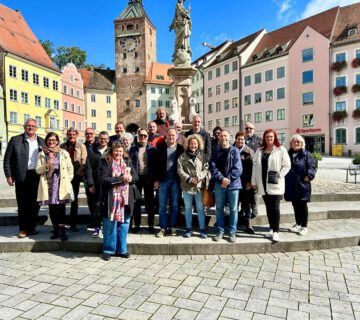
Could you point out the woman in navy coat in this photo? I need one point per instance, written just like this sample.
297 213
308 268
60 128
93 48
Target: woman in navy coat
297 182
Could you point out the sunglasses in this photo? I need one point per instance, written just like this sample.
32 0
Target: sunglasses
143 135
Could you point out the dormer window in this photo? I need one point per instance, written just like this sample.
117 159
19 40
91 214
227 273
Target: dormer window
352 31
160 77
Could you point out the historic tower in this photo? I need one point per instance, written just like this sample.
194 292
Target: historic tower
135 50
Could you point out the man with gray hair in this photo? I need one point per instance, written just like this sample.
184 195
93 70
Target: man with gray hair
19 168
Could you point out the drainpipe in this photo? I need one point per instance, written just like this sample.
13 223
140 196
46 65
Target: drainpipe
240 95
203 98
330 105
4 100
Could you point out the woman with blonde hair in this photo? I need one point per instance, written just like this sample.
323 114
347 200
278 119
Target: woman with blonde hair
193 169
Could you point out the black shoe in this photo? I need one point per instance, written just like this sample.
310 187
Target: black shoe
55 233
250 230
135 230
106 256
151 230
74 229
125 255
63 235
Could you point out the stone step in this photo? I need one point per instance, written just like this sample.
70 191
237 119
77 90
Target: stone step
323 234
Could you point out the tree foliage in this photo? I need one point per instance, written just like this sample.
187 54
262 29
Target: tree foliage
48 47
66 55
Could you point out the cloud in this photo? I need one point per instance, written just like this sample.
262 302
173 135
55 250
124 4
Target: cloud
317 6
286 10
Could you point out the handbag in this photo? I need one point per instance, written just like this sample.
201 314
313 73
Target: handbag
208 198
273 177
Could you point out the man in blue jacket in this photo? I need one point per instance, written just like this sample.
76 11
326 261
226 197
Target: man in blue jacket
226 170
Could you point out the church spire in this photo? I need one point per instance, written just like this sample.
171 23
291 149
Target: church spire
135 1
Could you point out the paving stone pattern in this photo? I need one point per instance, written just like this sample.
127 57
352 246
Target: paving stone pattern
298 285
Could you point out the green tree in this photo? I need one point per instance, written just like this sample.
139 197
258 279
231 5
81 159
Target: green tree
66 55
48 47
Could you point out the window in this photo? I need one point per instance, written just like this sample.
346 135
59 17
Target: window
152 89
235 102
46 82
357 104
340 136
234 65
72 78
93 125
77 94
258 97
35 78
226 122
247 99
226 69
268 75
160 103
79 109
72 92
12 71
65 89
357 54
247 81
357 136
57 105
269 95
93 112
79 125
218 106
38 121
153 103
308 55
124 70
93 98
268 116
281 137
226 104
38 101
108 127
47 103
280 114
167 104
108 99
257 117
137 103
340 81
307 98
209 92
72 108
257 78
210 125
247 117
65 105
218 123
55 85
352 31
307 76
340 106
160 90
340 57
218 90
280 72
210 75
226 87
357 79
13 95
13 117
308 120
167 91
73 124
218 72
210 108
25 75
26 116
66 124
280 93
52 123
235 121
234 84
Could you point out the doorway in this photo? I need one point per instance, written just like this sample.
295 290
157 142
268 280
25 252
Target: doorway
315 143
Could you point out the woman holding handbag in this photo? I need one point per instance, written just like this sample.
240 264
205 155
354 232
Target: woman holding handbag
56 172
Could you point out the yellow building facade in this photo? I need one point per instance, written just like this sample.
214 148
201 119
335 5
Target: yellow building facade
32 91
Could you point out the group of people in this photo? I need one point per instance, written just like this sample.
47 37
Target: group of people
156 168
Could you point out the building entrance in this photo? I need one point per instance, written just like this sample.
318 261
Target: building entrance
315 143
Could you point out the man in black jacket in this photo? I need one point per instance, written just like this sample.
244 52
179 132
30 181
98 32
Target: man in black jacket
19 167
196 129
119 130
92 177
252 140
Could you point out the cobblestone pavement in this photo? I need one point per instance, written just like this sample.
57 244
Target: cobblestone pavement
62 285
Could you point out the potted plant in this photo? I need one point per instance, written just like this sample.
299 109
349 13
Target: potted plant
355 63
339 115
356 114
355 88
317 157
338 91
357 159
338 65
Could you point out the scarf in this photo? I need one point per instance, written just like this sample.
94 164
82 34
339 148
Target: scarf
50 155
120 193
193 155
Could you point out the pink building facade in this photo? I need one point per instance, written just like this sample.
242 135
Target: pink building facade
73 105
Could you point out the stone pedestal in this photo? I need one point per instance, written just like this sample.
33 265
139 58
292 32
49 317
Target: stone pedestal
182 77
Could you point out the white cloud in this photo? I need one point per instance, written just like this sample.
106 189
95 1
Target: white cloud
317 6
286 10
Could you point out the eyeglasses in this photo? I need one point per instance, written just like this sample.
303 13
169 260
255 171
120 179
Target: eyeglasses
248 128
143 135
89 133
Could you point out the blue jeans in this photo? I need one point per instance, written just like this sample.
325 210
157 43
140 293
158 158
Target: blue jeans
115 235
232 197
188 200
168 189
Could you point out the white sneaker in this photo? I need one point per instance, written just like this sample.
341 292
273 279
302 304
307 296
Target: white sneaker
269 234
276 237
295 228
303 232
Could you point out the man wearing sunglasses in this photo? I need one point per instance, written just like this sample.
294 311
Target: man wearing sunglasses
252 140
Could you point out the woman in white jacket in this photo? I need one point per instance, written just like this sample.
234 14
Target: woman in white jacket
271 163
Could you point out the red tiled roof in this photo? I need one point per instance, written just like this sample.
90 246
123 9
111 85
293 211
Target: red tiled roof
17 38
85 75
158 74
322 22
98 79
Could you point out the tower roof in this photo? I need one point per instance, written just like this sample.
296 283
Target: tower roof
134 9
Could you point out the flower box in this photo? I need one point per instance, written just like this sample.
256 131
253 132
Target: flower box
338 91
338 66
339 115
355 88
355 63
356 114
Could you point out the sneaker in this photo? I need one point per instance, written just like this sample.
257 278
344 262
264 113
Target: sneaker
218 237
172 232
188 233
203 234
270 234
161 233
106 256
96 233
125 255
232 238
303 231
276 237
22 234
295 228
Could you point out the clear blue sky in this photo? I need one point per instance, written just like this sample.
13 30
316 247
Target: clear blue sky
89 24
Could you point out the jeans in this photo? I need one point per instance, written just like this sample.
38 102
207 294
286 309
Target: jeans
232 196
168 189
272 204
115 235
188 200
